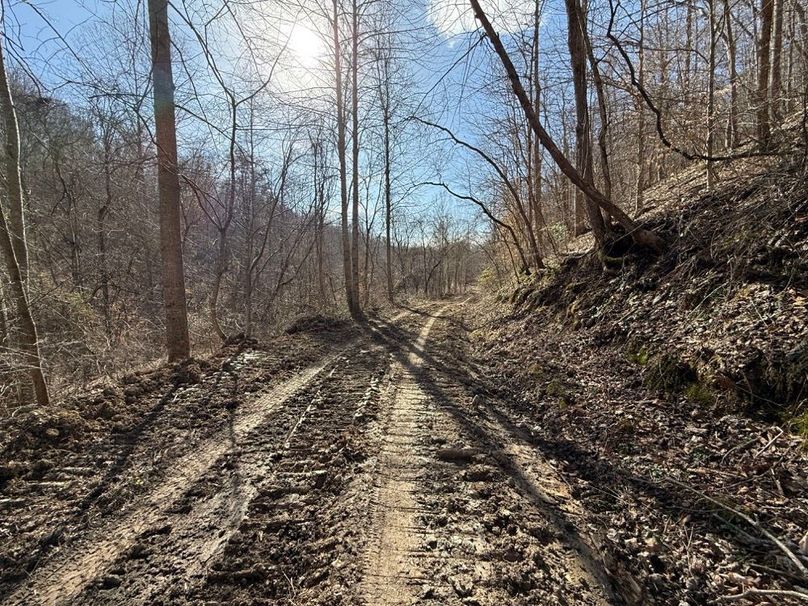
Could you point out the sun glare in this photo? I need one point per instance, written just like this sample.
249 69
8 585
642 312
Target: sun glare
307 46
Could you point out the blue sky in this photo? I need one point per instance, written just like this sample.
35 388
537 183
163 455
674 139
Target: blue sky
444 34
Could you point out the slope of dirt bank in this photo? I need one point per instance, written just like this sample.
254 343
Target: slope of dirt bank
653 386
68 469
723 313
658 474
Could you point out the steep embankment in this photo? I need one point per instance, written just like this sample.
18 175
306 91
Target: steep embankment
723 314
671 392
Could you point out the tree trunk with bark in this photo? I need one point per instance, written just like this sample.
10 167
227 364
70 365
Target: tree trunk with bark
764 64
733 138
641 236
388 204
356 311
640 180
711 94
221 268
177 340
603 110
777 60
350 293
576 40
535 178
101 216
12 240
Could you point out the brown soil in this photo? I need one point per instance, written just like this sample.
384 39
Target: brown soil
405 462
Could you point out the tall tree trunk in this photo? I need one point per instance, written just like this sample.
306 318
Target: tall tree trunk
343 164
367 276
356 312
640 181
178 342
221 268
641 236
102 237
711 94
250 229
791 78
12 238
688 47
16 213
777 60
733 138
567 188
764 63
319 220
223 251
603 136
388 201
535 181
248 280
576 24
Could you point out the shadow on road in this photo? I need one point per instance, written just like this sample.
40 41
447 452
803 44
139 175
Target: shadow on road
426 374
594 468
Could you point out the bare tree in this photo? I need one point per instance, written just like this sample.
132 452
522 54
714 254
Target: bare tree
351 294
640 180
356 310
764 68
733 137
13 242
385 75
576 39
639 235
777 60
713 25
177 340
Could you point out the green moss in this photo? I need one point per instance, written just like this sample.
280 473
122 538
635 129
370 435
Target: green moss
639 357
701 393
667 372
556 389
536 370
799 424
613 263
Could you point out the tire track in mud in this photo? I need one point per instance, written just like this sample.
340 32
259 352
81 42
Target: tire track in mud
466 513
196 538
198 551
302 525
392 565
382 475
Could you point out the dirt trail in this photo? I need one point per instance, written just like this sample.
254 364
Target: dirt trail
393 566
465 512
381 475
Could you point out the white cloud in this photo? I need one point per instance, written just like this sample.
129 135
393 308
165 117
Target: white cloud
453 17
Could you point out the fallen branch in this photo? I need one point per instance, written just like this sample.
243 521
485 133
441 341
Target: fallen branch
739 447
750 593
791 556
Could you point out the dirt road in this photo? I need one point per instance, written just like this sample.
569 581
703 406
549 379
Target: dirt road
379 473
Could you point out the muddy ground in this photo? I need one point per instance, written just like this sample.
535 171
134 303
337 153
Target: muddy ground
411 461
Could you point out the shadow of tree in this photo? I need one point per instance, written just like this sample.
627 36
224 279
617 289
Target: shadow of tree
440 366
429 374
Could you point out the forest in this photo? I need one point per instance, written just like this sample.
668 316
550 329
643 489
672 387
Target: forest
380 302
